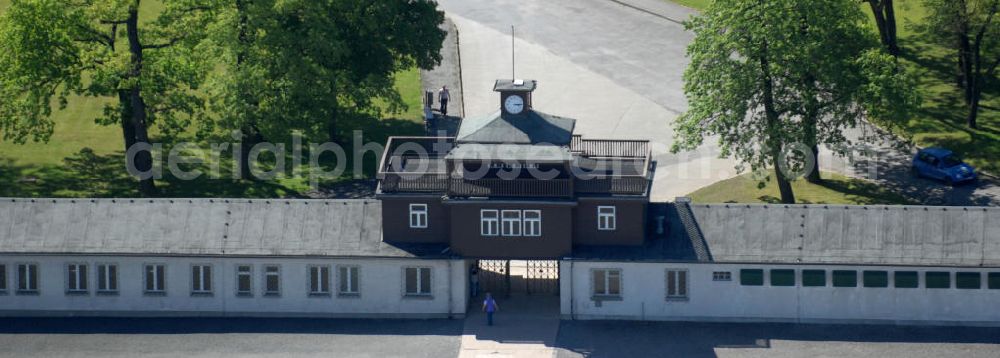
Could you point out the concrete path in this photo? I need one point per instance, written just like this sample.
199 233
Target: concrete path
525 326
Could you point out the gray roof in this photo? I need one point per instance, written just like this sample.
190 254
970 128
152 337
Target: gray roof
517 152
529 127
199 227
820 234
511 85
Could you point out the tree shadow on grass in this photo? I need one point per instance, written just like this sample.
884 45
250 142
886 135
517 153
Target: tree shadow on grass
87 174
941 120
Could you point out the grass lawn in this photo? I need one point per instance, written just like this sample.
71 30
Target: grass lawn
941 119
836 189
84 159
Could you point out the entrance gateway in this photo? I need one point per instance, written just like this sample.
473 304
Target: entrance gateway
528 277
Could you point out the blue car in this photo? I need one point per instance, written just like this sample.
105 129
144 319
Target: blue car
944 165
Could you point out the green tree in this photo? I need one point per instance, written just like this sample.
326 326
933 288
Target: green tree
50 49
302 65
972 29
774 79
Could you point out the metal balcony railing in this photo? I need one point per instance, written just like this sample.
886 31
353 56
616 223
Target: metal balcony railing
618 167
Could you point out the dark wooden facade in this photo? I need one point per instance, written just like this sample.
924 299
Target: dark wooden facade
457 178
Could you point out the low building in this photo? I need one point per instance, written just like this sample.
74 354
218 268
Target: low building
207 257
515 185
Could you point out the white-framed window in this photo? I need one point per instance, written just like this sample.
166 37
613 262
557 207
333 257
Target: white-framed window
418 216
511 222
489 222
722 276
244 280
201 279
532 223
155 279
3 279
319 280
272 280
349 279
27 279
607 282
677 284
606 218
107 279
76 279
417 281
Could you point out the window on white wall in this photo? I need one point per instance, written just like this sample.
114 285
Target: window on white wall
3 279
76 279
201 280
154 277
107 279
677 285
606 218
319 280
511 220
272 280
607 282
418 216
532 223
349 280
722 276
244 280
417 281
489 222
27 279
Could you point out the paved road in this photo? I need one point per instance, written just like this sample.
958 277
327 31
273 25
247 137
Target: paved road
696 340
90 337
618 69
217 337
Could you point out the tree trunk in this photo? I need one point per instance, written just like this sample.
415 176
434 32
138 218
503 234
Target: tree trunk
136 105
251 137
128 130
975 85
774 128
784 186
885 20
974 109
966 63
890 23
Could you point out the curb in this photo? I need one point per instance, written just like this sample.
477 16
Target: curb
458 50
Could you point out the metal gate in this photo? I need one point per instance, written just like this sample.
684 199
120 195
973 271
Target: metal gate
494 276
542 277
533 277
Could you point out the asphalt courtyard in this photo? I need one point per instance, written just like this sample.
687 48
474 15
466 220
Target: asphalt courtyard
213 337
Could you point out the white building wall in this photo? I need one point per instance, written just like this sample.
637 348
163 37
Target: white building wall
644 297
381 289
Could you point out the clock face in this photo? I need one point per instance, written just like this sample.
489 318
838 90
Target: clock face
514 104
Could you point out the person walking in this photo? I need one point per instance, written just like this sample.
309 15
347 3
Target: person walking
474 282
490 306
444 96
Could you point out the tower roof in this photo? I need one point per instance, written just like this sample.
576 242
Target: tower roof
530 127
515 85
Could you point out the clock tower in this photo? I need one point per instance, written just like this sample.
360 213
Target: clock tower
515 96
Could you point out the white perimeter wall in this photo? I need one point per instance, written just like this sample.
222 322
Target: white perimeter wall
381 289
644 297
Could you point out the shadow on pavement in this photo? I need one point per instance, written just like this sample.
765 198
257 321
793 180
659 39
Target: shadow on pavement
116 325
635 339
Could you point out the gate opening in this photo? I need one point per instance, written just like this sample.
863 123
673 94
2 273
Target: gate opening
520 277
